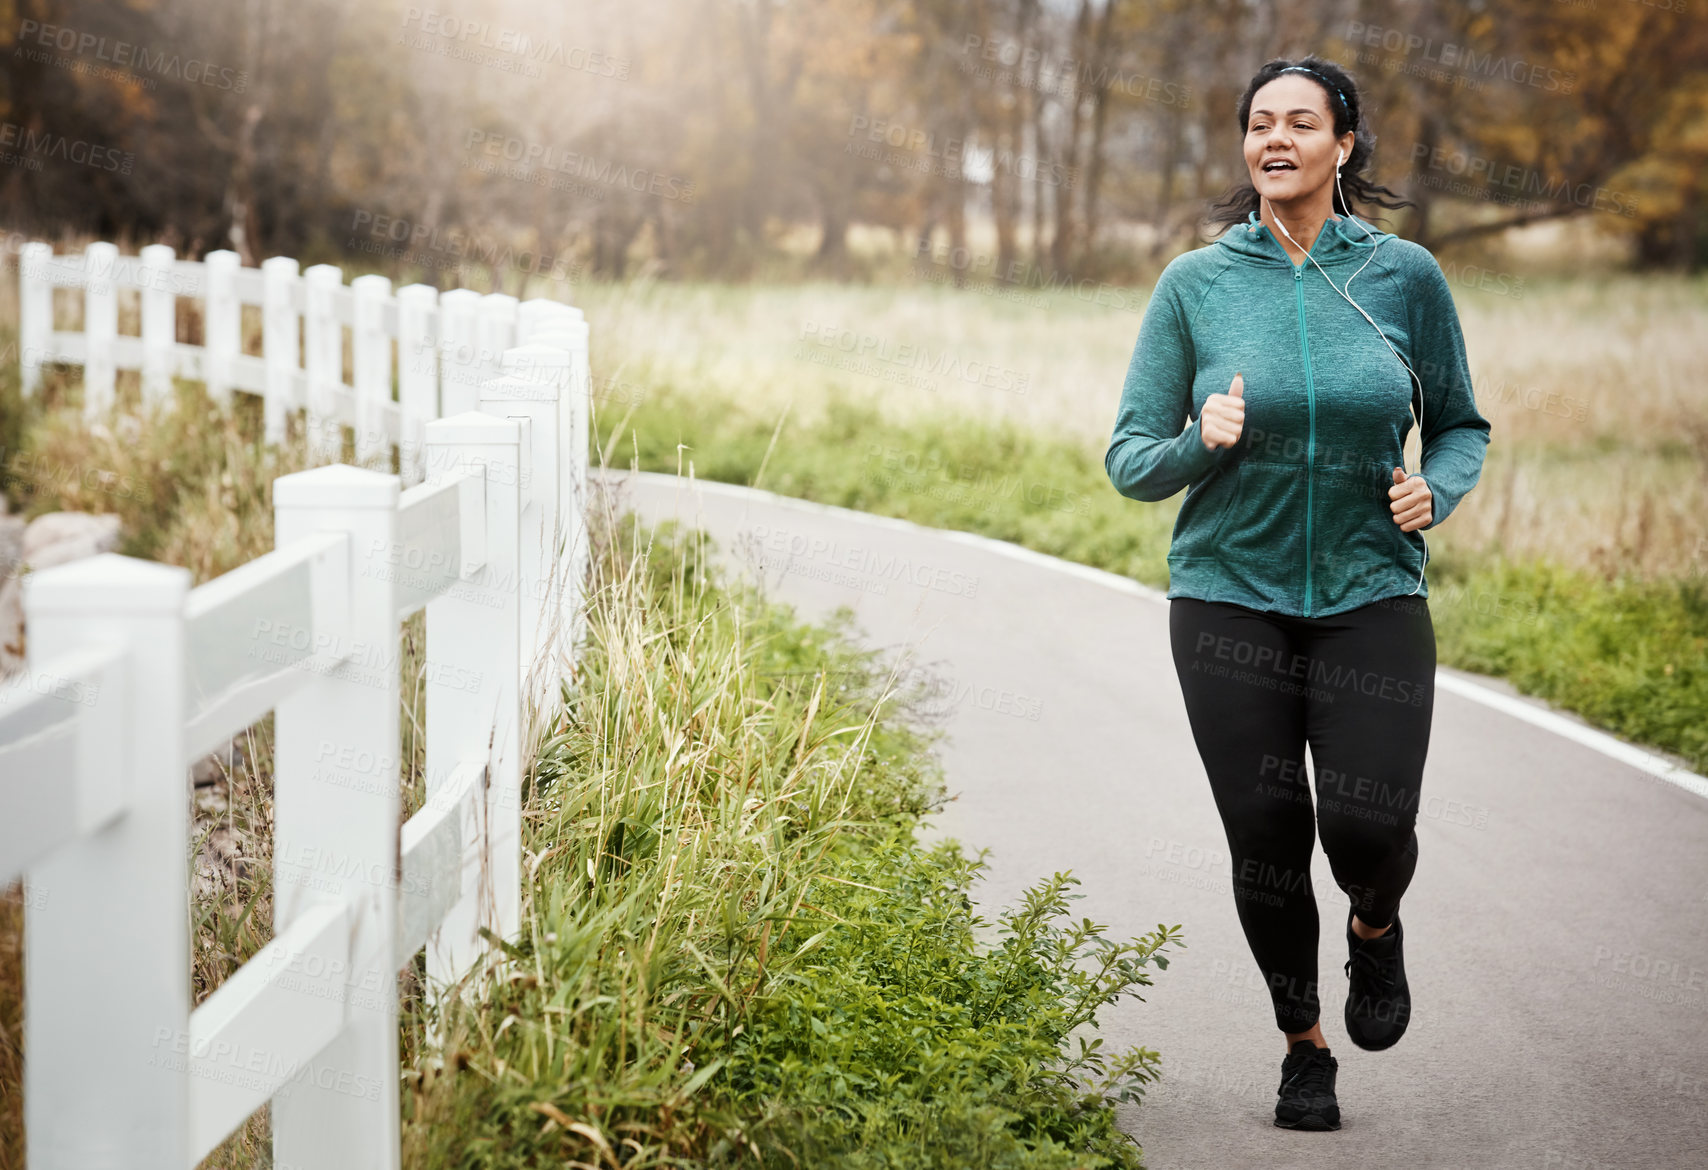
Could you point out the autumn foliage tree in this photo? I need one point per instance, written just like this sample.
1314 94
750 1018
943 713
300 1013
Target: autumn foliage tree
695 136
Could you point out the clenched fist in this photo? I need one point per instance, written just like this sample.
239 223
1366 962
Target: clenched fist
1223 417
1413 503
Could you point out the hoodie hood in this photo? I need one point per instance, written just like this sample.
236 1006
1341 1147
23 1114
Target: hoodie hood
1339 241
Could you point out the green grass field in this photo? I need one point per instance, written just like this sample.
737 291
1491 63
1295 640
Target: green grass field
1577 569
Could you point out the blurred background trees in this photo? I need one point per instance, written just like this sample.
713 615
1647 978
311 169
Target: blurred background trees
711 137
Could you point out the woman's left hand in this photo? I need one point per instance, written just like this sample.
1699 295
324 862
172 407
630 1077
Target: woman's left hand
1413 503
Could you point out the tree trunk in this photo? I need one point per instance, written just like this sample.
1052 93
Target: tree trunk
956 218
1062 243
927 227
1005 180
755 44
1171 149
1099 116
1040 153
1429 133
663 230
832 255
243 230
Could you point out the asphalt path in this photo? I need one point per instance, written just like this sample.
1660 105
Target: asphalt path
1556 928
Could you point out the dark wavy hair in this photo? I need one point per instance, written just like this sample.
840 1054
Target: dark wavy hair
1347 107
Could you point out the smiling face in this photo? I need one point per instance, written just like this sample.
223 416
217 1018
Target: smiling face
1290 145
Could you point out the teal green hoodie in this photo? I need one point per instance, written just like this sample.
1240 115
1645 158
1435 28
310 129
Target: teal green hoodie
1295 517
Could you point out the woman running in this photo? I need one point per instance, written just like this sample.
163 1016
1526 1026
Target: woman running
1296 568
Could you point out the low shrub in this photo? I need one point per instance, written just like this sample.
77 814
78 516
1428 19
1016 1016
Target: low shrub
734 952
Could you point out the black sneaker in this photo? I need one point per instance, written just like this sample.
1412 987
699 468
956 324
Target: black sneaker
1307 1089
1378 999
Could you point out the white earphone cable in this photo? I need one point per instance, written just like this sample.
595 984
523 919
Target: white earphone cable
1418 414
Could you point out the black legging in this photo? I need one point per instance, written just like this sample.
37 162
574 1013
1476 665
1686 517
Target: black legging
1360 687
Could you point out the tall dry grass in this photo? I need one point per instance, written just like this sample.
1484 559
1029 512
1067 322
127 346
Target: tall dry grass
1599 441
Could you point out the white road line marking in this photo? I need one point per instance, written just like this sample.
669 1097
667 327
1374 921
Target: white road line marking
1526 709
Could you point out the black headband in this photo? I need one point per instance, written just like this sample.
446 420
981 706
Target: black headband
1347 106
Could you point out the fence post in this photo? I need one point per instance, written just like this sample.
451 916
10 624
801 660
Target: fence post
417 375
371 356
570 338
554 362
107 952
324 343
459 340
476 628
281 342
159 323
335 802
100 328
221 322
536 314
574 419
35 312
539 556
497 333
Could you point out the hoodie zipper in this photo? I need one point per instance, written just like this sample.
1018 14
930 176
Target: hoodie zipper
1311 443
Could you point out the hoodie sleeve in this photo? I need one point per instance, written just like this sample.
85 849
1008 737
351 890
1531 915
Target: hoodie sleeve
1455 435
1150 457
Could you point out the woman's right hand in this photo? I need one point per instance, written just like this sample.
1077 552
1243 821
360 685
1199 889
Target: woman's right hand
1223 417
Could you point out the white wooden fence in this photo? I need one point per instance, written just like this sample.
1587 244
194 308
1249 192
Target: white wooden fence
448 344
132 675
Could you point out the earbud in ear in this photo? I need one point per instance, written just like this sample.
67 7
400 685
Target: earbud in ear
1341 159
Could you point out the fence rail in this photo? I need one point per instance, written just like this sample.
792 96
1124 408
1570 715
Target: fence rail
132 675
448 345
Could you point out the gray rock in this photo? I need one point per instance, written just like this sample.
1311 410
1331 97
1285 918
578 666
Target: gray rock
214 767
11 543
11 626
59 537
220 864
53 539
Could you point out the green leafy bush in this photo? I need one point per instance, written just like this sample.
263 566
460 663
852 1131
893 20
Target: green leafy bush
904 1043
734 953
